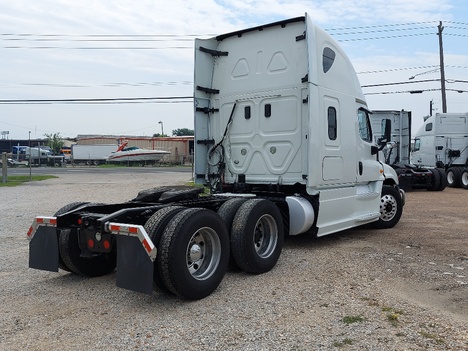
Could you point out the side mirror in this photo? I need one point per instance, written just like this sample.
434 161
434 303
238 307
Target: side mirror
386 135
386 131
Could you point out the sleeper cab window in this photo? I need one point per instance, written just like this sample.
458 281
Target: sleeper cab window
332 128
328 59
428 127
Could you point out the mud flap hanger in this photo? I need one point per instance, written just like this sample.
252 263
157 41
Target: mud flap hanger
135 258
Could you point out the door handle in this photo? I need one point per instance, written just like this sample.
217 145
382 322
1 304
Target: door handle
360 168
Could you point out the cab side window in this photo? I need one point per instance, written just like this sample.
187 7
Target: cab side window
417 145
365 131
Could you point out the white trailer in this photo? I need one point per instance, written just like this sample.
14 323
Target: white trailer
92 154
284 142
398 150
442 141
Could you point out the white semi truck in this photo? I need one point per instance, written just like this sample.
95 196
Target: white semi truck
442 141
398 151
284 142
43 155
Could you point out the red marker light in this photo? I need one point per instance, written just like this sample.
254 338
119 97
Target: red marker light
106 244
79 221
91 243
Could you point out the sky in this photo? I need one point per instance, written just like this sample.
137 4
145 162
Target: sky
55 50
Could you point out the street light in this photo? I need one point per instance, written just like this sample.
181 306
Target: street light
162 128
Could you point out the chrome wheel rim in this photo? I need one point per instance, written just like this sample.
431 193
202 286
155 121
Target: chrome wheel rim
203 253
388 207
265 236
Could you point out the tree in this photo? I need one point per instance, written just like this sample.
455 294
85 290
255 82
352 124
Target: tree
55 142
183 132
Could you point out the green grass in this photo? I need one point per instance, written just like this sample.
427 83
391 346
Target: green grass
18 180
352 319
434 337
392 315
344 342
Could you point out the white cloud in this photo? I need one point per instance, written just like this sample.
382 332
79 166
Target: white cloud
177 17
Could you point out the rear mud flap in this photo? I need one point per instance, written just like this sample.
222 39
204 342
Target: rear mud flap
134 267
43 249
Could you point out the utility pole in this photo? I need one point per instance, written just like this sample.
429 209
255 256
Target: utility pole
442 68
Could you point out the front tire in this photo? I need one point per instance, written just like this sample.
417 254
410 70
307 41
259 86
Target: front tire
391 208
257 236
194 252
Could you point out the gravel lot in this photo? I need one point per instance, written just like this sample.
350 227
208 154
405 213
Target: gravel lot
362 289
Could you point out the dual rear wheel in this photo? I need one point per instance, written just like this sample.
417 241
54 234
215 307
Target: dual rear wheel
194 245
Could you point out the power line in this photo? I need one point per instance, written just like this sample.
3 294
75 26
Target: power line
387 37
124 100
380 31
382 25
419 91
105 35
396 69
409 68
400 83
99 47
116 84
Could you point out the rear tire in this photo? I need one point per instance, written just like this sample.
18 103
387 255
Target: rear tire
63 210
390 208
155 227
257 236
94 265
436 180
464 178
227 212
453 177
194 252
443 179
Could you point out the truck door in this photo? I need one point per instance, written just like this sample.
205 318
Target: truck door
415 152
367 166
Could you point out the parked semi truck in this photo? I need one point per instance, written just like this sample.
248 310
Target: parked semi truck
442 141
283 141
44 156
91 154
398 152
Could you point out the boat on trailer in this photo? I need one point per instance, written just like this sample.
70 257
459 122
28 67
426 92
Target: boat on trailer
127 153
